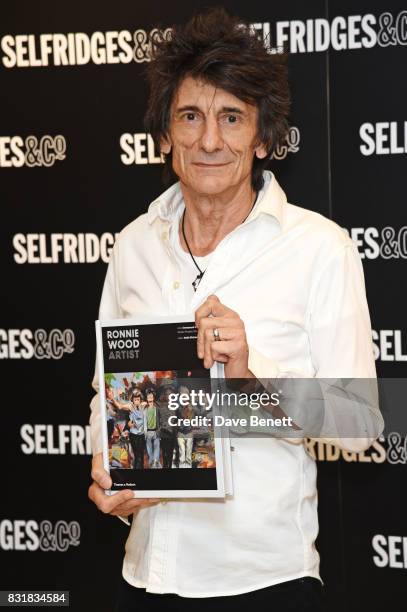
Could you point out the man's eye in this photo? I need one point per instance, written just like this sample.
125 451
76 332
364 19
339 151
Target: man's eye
190 116
231 118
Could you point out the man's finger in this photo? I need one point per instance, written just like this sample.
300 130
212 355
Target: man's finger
131 506
99 497
207 353
210 323
209 306
102 478
223 348
217 308
227 333
107 503
99 474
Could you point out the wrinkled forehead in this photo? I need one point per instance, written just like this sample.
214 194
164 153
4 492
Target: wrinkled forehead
207 97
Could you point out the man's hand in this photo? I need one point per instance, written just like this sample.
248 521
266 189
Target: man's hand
120 504
231 348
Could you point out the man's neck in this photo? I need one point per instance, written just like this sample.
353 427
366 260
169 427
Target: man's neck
208 219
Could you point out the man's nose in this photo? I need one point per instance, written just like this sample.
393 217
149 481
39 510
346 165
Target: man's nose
211 139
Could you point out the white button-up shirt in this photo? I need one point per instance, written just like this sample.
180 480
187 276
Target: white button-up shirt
296 280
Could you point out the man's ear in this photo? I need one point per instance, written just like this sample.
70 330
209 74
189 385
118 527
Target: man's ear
165 145
260 151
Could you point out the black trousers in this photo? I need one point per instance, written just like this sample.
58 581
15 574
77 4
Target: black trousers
301 595
167 447
138 445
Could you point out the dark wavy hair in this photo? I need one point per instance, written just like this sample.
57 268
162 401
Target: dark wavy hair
219 49
151 391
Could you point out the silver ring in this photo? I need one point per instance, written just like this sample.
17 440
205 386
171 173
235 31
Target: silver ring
216 333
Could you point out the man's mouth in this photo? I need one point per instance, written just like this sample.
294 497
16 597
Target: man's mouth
211 165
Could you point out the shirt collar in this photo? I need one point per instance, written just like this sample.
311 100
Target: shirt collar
271 201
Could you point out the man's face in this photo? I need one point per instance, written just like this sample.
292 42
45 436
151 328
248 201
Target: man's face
150 398
136 401
164 396
213 137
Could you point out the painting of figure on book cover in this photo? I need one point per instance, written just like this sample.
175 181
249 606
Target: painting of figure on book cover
158 420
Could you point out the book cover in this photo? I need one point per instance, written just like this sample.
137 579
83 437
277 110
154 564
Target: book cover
156 401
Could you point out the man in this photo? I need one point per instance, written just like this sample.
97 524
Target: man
117 413
168 435
111 411
152 415
277 292
137 425
185 436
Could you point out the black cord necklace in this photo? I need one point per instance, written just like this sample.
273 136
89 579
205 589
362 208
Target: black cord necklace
198 279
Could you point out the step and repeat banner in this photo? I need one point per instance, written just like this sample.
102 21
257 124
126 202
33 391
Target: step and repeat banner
76 166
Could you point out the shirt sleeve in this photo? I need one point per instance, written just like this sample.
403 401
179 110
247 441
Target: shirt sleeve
341 352
109 309
338 319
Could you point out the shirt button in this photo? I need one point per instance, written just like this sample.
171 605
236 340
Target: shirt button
176 284
164 235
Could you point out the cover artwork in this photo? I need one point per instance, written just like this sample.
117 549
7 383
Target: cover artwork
159 437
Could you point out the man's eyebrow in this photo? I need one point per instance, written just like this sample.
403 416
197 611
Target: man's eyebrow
232 109
188 107
196 109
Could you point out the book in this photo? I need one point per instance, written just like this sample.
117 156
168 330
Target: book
159 433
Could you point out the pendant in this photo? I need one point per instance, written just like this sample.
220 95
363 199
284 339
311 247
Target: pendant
196 282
